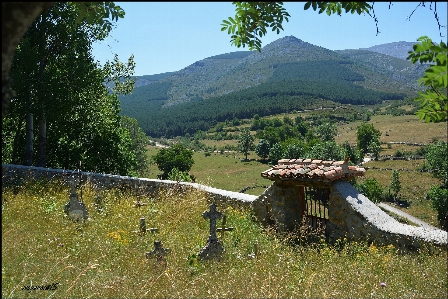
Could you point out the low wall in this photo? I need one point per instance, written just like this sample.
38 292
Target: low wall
351 214
16 174
355 217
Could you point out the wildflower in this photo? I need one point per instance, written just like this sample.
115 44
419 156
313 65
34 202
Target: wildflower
383 284
60 245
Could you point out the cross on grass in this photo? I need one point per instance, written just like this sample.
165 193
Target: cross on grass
223 227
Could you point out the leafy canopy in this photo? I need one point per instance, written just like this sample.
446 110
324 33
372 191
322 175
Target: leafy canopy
434 101
246 142
253 18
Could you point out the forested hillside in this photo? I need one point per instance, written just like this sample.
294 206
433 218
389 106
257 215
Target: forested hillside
289 74
271 98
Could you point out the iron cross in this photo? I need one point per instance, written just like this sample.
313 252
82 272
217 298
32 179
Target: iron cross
212 215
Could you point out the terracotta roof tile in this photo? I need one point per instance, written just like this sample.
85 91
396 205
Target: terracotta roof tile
312 170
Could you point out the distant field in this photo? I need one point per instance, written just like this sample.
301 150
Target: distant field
406 128
224 171
230 172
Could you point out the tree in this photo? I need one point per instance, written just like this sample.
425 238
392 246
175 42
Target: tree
328 150
434 101
177 156
139 141
262 149
437 160
253 18
245 142
352 152
294 149
439 201
395 183
327 131
374 148
367 135
276 153
18 16
70 98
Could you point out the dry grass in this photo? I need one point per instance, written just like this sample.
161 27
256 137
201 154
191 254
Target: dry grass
227 171
415 185
406 128
104 258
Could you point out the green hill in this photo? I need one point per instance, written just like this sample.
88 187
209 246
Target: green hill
289 74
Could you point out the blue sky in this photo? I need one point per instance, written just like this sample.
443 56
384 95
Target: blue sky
169 36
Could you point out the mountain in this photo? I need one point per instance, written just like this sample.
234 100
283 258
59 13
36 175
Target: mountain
289 74
396 49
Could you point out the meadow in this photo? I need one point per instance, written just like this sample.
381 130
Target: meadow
230 171
46 255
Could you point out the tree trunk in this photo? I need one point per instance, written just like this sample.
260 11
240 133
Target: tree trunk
16 159
42 147
16 19
29 140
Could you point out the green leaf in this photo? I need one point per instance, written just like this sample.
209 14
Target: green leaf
307 5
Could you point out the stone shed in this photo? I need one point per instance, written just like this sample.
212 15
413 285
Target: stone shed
318 192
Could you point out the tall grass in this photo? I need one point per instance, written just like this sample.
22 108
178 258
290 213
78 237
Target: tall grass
105 258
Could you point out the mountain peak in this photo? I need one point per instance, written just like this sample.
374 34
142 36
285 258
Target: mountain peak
286 41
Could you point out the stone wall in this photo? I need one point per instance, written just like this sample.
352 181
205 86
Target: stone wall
355 217
16 174
351 214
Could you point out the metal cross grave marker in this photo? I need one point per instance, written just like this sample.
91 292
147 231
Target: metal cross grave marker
213 215
143 229
159 252
223 227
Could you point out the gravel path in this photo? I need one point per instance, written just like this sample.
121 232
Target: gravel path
406 215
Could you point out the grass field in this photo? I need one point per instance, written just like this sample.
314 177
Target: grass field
406 128
46 255
105 258
231 172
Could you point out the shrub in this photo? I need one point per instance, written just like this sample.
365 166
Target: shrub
438 196
372 189
177 156
395 183
180 176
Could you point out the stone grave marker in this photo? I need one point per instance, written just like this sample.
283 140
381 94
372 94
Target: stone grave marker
138 203
214 247
256 251
143 229
75 209
159 252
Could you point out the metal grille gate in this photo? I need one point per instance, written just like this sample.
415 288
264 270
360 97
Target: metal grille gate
316 207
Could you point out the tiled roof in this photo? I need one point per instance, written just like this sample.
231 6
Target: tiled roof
311 170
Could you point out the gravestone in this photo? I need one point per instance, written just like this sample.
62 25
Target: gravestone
143 229
75 209
138 203
256 251
159 252
214 247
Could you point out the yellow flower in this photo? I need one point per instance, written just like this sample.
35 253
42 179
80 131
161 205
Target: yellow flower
373 249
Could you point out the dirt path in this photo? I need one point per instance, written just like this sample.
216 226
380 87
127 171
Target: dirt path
406 215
